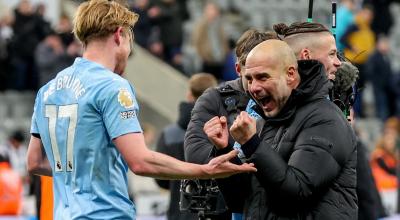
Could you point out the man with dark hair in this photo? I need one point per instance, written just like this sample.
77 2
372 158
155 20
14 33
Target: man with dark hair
172 138
199 83
229 100
311 41
303 148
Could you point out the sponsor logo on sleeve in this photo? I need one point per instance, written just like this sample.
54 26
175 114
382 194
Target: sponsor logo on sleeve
127 114
125 98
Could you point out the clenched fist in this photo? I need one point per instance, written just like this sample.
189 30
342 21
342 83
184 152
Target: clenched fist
243 128
216 130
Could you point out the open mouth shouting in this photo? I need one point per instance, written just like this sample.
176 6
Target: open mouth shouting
266 103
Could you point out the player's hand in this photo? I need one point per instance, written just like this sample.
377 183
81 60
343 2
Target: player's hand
220 167
243 128
216 130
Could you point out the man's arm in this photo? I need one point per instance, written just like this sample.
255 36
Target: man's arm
162 147
37 161
145 162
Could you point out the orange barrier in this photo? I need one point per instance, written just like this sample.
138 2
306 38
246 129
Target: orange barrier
10 190
46 204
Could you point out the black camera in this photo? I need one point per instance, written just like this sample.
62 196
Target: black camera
345 100
202 197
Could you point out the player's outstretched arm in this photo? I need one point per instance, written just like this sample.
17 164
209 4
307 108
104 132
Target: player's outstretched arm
37 162
143 161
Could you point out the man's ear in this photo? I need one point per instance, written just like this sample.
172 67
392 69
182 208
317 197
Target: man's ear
291 75
305 54
238 69
118 35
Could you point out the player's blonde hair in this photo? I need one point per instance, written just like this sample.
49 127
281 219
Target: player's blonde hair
99 18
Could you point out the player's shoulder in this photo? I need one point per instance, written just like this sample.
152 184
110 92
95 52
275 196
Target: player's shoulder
91 71
116 83
99 77
116 88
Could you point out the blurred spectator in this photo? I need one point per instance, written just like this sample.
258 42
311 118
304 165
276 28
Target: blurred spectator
210 40
64 30
52 57
6 33
384 164
370 205
384 160
41 9
183 11
392 123
29 29
380 75
359 42
383 23
229 70
345 17
166 15
15 150
396 87
172 137
10 189
143 28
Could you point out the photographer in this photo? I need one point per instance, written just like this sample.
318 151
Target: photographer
172 138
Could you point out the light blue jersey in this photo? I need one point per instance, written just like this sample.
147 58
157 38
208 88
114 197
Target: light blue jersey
77 115
236 145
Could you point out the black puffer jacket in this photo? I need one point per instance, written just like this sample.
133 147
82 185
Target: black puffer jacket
305 156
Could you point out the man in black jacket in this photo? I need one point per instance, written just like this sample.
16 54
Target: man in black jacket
228 99
172 137
311 40
305 150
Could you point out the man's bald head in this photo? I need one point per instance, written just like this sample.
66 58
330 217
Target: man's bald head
271 74
272 53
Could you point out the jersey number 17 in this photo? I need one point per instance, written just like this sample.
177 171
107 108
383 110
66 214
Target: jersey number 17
64 111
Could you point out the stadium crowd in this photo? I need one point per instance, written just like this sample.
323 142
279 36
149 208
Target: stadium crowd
32 52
